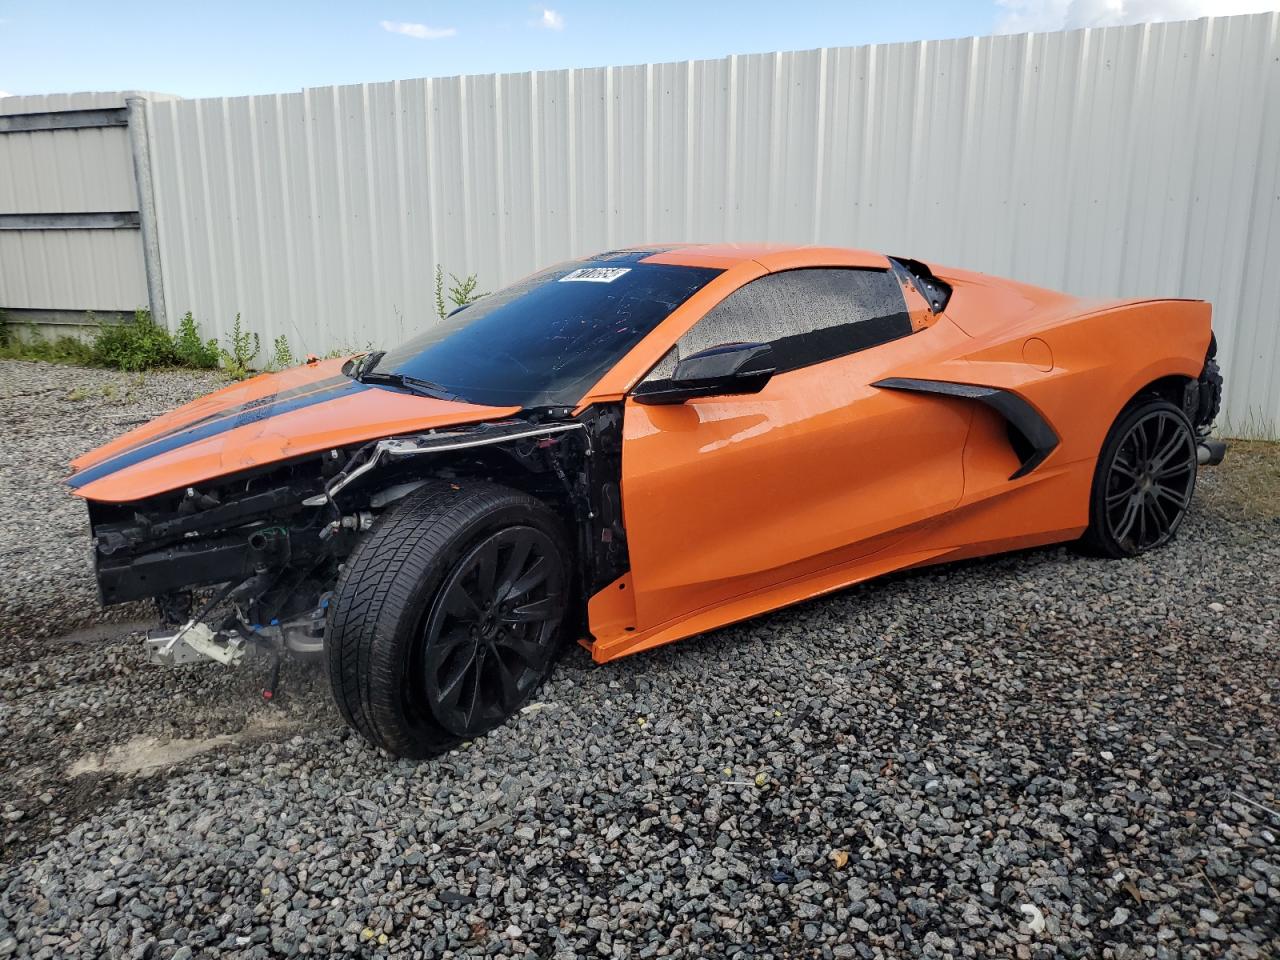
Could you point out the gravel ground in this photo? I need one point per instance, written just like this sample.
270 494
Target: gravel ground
50 415
1028 756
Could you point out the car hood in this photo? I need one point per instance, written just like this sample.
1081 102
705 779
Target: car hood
270 418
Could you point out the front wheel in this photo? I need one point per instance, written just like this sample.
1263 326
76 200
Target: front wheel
448 616
1144 480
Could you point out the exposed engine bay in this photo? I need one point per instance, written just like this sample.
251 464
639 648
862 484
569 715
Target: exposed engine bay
245 564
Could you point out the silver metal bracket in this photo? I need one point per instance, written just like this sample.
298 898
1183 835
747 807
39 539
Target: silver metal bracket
192 643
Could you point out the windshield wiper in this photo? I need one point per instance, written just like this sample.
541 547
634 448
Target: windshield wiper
413 384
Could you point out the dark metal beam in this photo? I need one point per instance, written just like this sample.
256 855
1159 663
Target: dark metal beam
69 221
63 120
40 317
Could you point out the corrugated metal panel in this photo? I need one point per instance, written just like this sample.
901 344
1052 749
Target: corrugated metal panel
85 170
67 171
71 270
1116 162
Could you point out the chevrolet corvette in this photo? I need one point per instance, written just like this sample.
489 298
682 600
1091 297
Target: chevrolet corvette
635 447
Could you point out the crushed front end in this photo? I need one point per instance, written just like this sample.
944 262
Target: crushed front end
269 541
246 563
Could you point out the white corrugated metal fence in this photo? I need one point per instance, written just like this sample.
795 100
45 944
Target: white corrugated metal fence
1114 162
58 264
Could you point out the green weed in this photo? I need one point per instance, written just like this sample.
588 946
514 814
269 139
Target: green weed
138 343
190 349
281 356
241 350
462 292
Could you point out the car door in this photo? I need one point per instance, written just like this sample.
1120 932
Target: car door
726 496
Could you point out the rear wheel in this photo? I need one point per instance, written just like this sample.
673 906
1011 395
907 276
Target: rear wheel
1144 480
447 617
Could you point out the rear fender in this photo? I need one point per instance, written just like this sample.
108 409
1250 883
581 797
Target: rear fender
1096 363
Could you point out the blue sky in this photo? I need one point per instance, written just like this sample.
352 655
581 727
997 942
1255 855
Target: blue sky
233 47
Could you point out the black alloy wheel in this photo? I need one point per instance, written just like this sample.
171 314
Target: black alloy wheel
491 630
448 615
1145 480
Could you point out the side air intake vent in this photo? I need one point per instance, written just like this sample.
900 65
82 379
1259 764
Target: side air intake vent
1030 435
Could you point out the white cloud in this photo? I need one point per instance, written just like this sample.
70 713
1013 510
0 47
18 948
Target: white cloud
6 93
552 19
1024 16
419 31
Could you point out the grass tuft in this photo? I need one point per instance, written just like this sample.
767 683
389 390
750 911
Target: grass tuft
1246 485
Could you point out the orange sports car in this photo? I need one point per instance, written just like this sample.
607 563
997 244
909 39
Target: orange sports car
634 447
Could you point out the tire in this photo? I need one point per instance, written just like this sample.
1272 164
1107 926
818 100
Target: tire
1144 480
448 616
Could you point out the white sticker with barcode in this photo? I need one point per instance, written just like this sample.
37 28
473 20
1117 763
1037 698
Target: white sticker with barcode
594 275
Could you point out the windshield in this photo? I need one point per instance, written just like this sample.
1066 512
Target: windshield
545 340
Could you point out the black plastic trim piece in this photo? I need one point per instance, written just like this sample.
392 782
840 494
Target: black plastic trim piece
936 291
1041 439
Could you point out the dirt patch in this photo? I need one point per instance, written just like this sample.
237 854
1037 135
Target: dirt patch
144 755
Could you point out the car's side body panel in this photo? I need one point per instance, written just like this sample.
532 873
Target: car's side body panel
725 495
739 505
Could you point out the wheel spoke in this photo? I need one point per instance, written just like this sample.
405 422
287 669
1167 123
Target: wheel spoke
471 702
486 562
1158 515
1124 468
1127 519
535 575
527 650
535 612
508 689
1177 497
451 688
1164 453
461 604
1115 499
1141 444
1175 470
1142 523
514 567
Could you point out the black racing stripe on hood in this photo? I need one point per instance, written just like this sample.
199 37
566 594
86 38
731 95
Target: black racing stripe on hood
232 412
249 413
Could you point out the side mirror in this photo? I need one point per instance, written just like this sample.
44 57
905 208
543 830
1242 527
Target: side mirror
735 368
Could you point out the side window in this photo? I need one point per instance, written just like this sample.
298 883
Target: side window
807 315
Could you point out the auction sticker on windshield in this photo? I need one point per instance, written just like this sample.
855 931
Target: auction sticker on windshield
595 274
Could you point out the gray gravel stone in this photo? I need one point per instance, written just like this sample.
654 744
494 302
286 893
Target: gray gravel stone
1042 729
